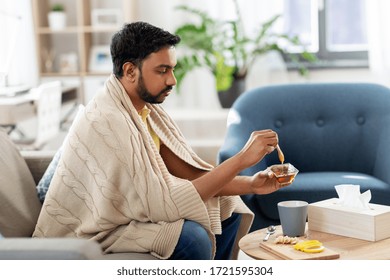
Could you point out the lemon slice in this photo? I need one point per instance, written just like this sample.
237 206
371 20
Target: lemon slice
314 249
309 246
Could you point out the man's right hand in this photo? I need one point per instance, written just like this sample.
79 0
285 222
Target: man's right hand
259 144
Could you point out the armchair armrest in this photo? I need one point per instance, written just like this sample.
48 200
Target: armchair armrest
49 249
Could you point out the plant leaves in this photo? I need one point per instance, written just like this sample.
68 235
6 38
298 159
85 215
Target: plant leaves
224 48
223 73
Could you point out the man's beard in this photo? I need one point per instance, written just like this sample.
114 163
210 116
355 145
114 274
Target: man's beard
146 95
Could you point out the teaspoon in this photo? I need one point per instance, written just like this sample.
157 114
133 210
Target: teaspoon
270 230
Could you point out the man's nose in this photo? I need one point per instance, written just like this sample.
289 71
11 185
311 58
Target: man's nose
171 81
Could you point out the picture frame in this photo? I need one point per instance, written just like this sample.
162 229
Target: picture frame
68 62
100 59
105 17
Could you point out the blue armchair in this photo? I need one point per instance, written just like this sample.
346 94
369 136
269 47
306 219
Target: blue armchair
334 133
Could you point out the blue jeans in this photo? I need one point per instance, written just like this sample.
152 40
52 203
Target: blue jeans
195 244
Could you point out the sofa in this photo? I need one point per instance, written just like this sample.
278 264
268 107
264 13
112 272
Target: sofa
20 172
333 133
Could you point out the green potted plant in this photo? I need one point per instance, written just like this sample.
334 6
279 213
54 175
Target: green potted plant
224 48
57 17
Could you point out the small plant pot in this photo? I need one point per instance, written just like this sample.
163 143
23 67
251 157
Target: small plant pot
228 97
57 20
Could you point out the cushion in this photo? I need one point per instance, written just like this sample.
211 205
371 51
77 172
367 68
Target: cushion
44 183
19 204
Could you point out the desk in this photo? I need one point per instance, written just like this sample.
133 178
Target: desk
21 107
348 248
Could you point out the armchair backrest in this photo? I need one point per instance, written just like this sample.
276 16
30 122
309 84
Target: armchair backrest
321 127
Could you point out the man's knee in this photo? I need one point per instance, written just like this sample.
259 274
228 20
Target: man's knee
195 240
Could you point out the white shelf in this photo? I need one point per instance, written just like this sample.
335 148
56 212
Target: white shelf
78 38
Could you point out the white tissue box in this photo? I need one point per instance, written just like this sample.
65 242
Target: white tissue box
367 224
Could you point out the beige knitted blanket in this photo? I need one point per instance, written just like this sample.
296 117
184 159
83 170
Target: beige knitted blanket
111 184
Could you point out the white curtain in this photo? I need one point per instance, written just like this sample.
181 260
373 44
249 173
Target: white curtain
17 48
198 89
378 22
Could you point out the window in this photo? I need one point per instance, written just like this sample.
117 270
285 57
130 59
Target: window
335 30
9 30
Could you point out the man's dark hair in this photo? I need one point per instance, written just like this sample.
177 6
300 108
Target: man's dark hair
135 41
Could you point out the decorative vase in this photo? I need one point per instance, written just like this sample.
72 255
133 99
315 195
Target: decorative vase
57 20
227 97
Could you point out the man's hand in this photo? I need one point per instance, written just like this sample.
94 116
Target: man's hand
259 144
264 182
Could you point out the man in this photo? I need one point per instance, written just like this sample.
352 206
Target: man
128 179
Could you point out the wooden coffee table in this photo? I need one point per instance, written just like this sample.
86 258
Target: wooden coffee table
348 248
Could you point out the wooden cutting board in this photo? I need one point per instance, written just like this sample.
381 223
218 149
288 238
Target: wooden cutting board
287 252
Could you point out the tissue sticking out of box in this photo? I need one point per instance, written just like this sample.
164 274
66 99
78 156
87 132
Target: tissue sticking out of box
350 196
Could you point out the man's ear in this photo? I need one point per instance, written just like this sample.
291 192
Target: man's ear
129 71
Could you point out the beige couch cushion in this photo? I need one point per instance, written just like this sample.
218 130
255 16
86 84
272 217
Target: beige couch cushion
19 204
